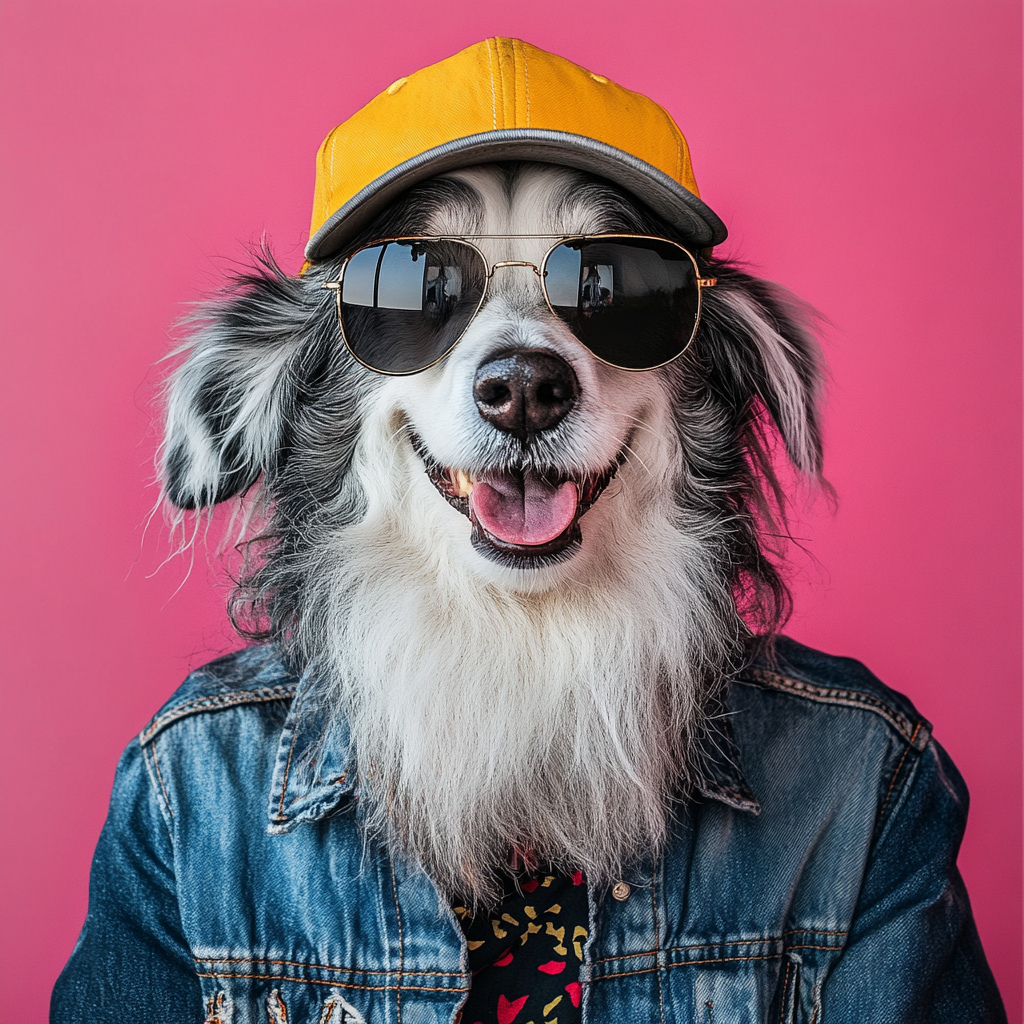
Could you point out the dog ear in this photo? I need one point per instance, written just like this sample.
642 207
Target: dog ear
228 403
764 348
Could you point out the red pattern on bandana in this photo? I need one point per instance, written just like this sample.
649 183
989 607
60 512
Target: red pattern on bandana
511 952
507 1012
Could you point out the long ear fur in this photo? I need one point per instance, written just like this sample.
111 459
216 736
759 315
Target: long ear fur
764 349
228 404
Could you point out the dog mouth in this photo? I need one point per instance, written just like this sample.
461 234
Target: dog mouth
522 518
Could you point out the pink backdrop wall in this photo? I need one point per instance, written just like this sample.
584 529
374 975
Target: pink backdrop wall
865 154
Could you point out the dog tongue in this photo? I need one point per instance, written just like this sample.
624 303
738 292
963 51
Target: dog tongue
523 509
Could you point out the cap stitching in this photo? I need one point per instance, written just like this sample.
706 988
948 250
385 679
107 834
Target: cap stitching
494 101
325 198
327 193
501 82
526 85
515 91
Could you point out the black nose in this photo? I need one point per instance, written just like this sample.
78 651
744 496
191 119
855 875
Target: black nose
525 392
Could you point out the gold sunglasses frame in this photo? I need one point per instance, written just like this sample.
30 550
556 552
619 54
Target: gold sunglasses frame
541 272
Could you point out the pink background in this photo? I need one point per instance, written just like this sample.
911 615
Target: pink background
865 154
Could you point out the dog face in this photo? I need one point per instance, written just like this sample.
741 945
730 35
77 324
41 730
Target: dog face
520 429
568 577
615 445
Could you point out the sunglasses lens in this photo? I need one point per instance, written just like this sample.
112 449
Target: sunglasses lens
405 304
633 302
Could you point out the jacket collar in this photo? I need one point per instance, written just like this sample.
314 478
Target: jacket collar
722 777
315 766
314 770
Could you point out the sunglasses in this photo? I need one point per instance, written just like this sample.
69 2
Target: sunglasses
633 300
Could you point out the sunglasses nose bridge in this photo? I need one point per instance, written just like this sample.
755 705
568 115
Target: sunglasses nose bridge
501 265
514 263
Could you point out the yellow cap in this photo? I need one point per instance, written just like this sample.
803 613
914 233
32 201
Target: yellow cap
502 99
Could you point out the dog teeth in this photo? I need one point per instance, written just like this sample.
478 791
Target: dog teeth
462 483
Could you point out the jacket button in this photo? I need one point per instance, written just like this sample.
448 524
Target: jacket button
620 890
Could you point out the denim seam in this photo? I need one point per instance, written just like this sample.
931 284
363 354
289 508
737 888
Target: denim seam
331 981
689 963
657 946
401 945
216 703
281 816
843 698
736 942
814 931
154 785
322 967
895 776
160 779
782 998
712 960
900 788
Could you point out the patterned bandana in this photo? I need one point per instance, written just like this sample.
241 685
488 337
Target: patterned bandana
525 955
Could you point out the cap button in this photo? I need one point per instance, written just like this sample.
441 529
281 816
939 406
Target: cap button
600 79
620 890
395 86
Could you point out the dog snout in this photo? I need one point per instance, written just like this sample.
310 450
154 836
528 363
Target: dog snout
525 392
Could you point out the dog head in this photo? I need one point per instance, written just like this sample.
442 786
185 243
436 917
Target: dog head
517 545
572 460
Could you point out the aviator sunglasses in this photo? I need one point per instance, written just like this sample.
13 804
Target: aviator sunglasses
633 300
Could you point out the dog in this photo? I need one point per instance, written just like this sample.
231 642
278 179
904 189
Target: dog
546 693
519 733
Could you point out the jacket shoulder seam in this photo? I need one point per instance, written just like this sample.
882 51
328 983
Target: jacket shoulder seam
214 702
916 733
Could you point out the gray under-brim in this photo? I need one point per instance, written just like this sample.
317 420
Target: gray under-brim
699 224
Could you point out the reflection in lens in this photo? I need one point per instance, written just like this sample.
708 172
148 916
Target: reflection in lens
634 301
597 285
443 287
400 279
360 284
404 304
563 276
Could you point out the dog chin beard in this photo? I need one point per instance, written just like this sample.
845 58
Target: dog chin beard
564 722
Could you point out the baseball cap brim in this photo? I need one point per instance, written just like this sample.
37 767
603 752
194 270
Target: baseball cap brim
693 218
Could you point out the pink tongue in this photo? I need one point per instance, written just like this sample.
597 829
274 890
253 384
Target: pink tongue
523 510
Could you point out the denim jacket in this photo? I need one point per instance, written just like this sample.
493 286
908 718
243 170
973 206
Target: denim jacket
814 880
